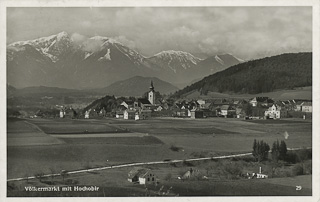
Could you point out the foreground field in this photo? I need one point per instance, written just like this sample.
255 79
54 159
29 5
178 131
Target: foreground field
148 140
114 183
82 144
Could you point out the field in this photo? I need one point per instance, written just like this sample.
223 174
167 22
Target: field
114 183
52 145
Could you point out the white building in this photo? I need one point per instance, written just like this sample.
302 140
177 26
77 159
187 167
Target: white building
275 112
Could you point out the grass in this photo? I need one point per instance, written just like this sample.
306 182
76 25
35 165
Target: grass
194 136
146 140
234 188
22 133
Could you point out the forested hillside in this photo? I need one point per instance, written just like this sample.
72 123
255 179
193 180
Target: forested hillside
284 71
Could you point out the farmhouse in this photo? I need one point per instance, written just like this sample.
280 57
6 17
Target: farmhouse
260 175
119 115
275 112
127 104
306 107
183 113
141 176
263 101
62 113
129 114
195 114
190 174
87 114
227 111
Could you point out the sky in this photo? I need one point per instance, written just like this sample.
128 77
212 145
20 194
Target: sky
245 32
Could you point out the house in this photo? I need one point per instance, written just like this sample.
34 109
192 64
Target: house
129 114
183 113
144 103
306 107
142 176
190 174
260 175
144 114
275 112
227 111
119 115
208 113
195 114
201 102
159 108
87 114
128 104
62 113
263 101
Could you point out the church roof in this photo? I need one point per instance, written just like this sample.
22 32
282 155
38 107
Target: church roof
144 101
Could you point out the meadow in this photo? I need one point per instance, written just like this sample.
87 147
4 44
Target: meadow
82 144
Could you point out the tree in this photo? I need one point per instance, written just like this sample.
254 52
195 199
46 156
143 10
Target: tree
247 108
260 150
282 150
275 151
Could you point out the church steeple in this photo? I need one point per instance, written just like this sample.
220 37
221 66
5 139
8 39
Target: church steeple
151 94
151 86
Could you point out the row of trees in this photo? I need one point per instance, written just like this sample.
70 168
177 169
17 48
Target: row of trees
261 150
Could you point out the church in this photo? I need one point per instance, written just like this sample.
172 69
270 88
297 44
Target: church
142 108
152 95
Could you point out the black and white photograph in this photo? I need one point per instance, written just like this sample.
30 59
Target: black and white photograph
160 99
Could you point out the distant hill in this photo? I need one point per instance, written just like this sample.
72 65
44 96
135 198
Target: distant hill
137 86
40 91
285 71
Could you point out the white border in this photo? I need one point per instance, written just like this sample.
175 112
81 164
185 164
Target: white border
162 3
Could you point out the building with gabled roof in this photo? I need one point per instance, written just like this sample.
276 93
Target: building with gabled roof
142 176
275 112
306 107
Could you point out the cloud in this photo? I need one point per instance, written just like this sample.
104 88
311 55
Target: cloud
246 32
78 38
129 43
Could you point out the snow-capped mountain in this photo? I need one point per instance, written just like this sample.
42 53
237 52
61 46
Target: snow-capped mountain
175 60
54 46
64 61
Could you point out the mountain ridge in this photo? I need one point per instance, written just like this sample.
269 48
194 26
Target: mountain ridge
63 60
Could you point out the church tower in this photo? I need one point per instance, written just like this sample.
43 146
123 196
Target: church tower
152 95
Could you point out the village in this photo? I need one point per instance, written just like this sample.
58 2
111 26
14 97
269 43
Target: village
152 106
156 145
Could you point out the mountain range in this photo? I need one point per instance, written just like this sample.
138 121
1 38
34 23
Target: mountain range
62 61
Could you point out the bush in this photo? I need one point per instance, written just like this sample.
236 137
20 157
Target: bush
232 170
175 148
304 154
308 168
297 170
298 156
